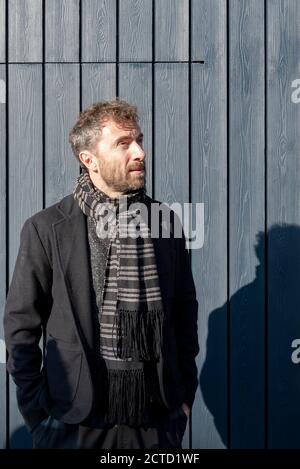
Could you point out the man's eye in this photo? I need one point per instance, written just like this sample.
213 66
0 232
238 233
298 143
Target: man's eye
126 143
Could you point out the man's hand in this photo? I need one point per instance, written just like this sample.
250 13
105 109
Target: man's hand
186 409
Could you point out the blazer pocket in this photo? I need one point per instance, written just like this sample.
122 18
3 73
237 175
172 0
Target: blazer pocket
63 365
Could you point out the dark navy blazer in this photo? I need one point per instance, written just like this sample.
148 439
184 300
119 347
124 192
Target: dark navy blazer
50 296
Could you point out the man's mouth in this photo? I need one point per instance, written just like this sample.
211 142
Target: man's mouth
139 169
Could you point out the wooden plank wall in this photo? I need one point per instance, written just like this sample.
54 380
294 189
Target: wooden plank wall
212 80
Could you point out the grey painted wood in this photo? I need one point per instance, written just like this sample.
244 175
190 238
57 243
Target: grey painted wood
3 255
171 30
2 31
62 31
135 86
2 91
135 30
25 183
171 155
214 176
246 219
171 148
98 30
171 160
209 186
283 120
98 83
25 30
62 109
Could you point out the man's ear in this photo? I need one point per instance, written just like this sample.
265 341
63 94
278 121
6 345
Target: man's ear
88 160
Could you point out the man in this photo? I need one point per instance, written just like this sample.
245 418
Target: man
118 312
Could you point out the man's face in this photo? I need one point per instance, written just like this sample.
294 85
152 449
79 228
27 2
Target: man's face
120 158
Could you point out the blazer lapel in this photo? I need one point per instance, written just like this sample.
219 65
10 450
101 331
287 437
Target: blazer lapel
72 246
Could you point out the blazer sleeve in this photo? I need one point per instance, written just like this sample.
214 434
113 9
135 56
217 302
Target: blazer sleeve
186 319
28 304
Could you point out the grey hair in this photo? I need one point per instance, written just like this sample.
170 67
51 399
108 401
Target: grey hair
88 127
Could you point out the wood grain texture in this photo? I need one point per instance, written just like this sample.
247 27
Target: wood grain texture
25 184
171 147
209 186
98 30
25 36
135 30
283 124
62 31
62 110
246 219
243 285
3 257
98 83
171 161
171 30
2 31
135 86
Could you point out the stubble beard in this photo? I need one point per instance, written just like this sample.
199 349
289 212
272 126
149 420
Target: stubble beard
123 182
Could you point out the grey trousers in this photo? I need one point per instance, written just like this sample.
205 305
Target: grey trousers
167 433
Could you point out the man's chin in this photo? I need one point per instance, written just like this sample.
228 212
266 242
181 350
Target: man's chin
136 186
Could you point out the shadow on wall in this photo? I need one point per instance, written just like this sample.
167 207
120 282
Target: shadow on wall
253 391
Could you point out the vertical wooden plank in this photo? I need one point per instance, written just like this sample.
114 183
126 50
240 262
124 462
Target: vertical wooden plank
25 31
135 86
2 31
135 30
171 30
171 120
62 31
98 83
283 123
171 173
25 183
62 109
98 30
209 186
2 261
246 219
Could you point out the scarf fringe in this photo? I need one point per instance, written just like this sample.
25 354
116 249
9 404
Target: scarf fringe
139 334
126 391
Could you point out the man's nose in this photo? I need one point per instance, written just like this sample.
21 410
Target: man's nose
138 152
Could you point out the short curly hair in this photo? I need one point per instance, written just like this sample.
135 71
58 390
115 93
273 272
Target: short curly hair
87 129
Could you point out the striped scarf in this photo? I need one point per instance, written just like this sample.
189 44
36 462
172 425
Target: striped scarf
129 303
